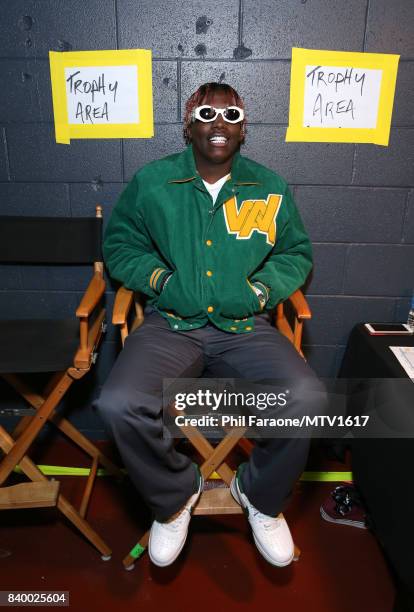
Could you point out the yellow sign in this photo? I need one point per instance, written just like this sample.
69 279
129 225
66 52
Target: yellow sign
338 96
102 94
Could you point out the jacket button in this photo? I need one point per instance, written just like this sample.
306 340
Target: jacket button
208 242
233 328
248 328
210 309
209 273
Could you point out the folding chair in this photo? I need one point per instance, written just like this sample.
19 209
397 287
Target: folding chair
64 348
288 319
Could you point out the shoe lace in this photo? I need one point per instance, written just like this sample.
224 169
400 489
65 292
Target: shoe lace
177 523
269 523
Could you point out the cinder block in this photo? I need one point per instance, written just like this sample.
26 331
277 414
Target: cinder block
385 270
388 166
164 75
322 359
168 139
35 156
107 356
25 91
402 307
4 175
31 29
312 163
10 277
403 111
85 196
34 199
20 84
352 214
390 27
334 317
55 278
198 29
328 269
408 232
264 86
271 29
112 331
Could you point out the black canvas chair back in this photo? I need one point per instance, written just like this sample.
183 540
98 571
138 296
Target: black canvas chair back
51 240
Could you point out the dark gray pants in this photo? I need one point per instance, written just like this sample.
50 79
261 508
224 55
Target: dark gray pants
131 405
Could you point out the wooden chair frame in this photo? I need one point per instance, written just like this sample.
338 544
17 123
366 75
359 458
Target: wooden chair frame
42 492
216 500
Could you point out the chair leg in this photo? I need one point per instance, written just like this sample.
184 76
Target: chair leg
20 446
32 472
296 553
214 457
80 440
36 400
136 552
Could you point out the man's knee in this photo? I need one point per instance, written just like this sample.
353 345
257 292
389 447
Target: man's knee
123 407
113 405
310 397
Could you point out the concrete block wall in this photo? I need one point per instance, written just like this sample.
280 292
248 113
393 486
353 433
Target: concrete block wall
356 200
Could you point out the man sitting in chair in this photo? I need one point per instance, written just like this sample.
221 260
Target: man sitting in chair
214 240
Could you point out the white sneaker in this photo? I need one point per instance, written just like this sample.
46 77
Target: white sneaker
271 535
167 539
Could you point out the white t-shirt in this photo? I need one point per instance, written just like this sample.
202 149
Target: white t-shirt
214 189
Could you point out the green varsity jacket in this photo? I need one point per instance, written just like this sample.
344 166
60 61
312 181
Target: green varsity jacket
165 222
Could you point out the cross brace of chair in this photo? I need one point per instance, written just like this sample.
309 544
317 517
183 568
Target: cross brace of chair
15 447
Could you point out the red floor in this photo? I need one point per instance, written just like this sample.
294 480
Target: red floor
341 568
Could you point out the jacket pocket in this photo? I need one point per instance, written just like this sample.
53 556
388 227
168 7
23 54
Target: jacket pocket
241 302
176 298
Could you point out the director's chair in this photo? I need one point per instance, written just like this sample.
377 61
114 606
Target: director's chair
288 318
65 349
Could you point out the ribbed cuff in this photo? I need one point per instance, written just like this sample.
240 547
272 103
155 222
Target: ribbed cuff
157 279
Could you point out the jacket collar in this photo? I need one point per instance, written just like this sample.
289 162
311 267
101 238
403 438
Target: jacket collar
187 171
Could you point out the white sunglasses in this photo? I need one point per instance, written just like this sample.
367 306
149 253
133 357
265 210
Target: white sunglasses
207 113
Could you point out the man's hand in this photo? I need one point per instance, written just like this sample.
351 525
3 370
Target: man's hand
262 293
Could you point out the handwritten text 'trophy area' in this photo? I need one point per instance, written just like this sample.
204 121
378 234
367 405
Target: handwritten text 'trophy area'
81 87
341 96
102 95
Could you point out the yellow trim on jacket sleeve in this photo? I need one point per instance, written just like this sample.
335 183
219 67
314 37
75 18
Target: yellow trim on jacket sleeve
154 277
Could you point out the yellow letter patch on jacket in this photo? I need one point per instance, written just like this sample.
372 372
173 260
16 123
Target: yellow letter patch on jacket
253 215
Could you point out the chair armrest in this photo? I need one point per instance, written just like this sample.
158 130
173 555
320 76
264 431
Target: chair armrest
301 311
300 305
123 301
91 297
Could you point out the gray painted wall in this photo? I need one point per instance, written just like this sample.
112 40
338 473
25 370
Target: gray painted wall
356 200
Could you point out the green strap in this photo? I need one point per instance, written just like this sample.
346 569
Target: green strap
137 551
57 470
326 476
